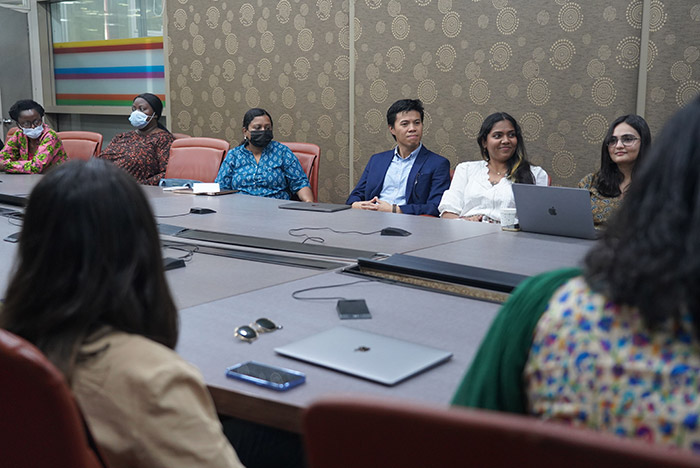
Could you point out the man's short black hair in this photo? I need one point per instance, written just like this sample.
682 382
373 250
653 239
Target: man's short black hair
403 105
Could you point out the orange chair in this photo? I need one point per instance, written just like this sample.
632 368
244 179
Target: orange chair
309 156
41 424
342 432
81 145
180 135
11 132
196 158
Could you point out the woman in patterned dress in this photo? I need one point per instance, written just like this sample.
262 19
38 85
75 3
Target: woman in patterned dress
627 140
35 147
262 167
144 151
616 347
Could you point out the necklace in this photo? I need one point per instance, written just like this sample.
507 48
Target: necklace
491 169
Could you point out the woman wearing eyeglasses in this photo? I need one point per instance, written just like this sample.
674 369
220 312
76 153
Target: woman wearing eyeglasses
623 147
34 147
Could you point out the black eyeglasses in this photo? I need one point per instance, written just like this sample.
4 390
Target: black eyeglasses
34 124
250 332
627 140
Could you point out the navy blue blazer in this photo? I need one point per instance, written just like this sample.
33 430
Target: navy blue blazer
428 179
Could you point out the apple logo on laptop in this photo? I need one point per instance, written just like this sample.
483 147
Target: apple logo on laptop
552 211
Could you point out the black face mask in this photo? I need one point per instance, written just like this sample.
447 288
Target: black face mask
260 138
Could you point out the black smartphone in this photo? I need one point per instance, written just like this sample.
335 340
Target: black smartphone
12 238
353 309
276 378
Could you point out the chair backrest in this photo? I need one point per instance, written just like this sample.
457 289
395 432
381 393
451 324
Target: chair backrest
80 144
41 424
309 156
196 158
341 432
11 132
181 135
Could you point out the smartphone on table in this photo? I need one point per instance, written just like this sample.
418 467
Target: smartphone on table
276 378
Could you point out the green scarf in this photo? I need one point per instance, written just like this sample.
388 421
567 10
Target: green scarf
495 379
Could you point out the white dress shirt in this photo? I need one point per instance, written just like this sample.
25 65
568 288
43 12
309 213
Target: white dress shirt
471 193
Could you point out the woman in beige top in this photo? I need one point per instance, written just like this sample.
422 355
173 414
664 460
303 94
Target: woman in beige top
89 291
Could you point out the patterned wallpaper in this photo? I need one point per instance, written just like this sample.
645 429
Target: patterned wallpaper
564 69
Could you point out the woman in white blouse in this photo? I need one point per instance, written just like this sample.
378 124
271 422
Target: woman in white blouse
480 189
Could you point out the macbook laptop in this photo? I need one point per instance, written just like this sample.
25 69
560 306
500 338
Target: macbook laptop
561 211
363 354
322 207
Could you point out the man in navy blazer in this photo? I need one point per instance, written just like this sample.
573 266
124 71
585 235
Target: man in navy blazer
408 179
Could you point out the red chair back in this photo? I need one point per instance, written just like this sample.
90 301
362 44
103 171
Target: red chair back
80 144
181 135
41 424
342 432
11 132
309 156
196 158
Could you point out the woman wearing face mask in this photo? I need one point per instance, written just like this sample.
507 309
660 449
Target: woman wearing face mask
262 167
142 152
36 147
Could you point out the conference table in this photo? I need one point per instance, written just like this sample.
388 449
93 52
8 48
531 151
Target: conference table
247 265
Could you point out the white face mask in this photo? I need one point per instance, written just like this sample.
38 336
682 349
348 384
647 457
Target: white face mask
34 133
138 119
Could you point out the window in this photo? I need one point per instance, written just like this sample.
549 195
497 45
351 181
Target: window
105 52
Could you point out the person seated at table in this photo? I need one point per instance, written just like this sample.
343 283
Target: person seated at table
262 167
105 318
35 147
616 347
144 151
480 189
627 140
407 179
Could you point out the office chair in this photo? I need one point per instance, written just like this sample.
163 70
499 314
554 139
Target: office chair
196 158
10 132
309 156
80 144
342 432
40 422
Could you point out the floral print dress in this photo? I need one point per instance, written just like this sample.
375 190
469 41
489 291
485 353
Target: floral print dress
595 364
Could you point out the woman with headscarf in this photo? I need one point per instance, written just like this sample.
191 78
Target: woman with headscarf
143 152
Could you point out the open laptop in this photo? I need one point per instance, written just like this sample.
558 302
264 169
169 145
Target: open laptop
561 211
363 354
322 207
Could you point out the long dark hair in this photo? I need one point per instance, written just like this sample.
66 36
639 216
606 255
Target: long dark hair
518 165
649 257
608 179
157 106
250 115
88 256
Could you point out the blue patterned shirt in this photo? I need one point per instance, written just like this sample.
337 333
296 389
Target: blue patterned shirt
278 175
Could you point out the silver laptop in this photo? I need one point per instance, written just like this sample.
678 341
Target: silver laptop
322 207
374 357
561 211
